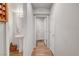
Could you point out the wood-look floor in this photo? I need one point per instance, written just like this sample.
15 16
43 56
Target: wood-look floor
41 49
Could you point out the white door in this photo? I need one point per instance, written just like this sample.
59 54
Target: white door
42 29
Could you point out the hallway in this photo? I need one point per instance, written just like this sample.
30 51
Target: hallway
41 49
39 29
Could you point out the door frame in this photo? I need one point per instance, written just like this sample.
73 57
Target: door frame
48 39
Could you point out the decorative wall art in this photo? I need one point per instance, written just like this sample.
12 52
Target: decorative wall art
3 12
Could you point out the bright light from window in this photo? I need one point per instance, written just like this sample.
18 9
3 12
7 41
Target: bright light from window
19 11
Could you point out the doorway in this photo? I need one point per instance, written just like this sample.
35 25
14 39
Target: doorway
42 29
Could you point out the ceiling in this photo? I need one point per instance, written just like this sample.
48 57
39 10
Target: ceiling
34 5
41 8
41 5
38 8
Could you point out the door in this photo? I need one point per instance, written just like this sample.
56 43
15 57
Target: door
42 29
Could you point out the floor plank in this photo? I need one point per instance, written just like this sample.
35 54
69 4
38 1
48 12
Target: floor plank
41 50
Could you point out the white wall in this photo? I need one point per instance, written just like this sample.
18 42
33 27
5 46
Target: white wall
2 39
52 28
28 43
9 28
67 29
